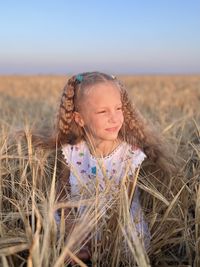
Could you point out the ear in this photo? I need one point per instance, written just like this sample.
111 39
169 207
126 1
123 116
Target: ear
78 119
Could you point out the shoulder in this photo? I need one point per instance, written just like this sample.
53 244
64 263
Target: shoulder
134 154
67 148
71 151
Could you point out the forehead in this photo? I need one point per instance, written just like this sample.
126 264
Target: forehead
103 94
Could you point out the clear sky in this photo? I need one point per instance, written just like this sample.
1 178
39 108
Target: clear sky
114 36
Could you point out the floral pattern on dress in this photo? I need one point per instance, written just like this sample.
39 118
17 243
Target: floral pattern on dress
85 165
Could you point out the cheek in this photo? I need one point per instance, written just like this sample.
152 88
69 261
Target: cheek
121 118
95 123
99 123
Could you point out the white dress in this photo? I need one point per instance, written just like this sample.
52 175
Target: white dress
85 168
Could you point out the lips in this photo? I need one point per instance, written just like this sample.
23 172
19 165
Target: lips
113 129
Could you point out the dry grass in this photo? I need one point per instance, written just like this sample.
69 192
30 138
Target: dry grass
29 235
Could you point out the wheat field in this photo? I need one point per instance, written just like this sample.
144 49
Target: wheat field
29 235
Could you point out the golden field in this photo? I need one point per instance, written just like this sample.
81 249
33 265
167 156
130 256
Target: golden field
28 234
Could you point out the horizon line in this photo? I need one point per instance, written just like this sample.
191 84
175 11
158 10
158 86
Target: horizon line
115 73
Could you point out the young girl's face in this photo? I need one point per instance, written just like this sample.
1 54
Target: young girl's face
101 112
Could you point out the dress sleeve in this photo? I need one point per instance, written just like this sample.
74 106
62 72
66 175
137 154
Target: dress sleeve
67 154
70 153
138 218
137 156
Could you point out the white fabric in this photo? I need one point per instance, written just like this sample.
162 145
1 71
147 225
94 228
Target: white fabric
82 164
85 169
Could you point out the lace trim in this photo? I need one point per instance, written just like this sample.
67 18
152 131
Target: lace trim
64 155
108 156
139 159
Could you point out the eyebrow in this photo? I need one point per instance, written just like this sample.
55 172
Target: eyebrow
120 104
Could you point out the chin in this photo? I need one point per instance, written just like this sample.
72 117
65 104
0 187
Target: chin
108 136
111 137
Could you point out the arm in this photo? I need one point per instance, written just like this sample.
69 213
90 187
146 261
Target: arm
63 184
137 213
62 192
136 210
63 188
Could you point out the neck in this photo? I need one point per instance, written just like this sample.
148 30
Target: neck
102 148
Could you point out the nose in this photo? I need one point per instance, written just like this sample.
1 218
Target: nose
113 117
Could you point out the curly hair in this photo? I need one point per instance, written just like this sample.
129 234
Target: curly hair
135 129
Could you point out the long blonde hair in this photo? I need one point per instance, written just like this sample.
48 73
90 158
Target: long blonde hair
135 129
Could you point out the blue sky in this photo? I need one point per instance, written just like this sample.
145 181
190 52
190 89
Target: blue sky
128 37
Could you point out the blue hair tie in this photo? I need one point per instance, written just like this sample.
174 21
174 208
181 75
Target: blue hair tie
79 77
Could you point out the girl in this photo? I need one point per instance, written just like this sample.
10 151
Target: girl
100 133
101 137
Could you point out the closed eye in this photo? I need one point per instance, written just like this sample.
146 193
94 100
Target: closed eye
100 112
